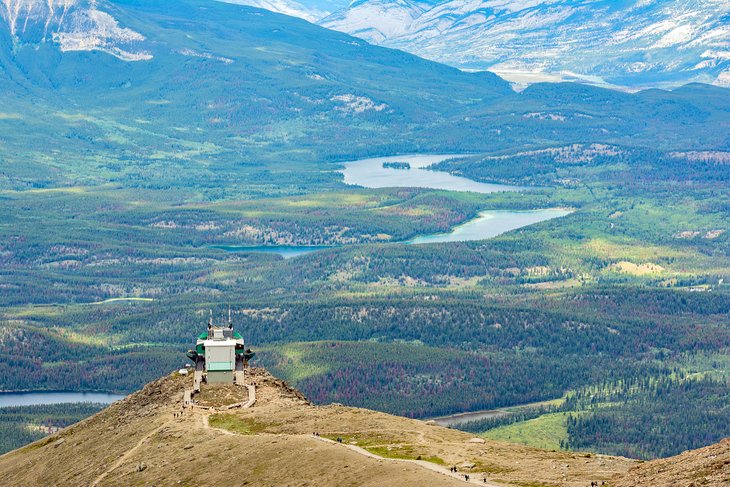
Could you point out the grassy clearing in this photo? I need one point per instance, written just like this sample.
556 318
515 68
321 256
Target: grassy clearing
236 424
387 447
296 362
403 452
544 432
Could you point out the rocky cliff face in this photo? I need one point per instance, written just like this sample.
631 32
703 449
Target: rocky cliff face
74 25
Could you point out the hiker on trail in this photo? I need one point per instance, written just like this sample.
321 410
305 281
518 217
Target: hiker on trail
466 477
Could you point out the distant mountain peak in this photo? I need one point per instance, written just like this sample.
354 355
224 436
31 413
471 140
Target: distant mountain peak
311 13
639 43
376 21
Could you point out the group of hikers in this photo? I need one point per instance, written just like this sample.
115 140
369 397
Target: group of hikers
316 433
453 469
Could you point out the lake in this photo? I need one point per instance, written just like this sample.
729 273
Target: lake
370 173
9 399
286 251
489 224
460 418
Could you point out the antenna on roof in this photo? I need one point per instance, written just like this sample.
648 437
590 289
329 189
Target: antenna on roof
210 320
230 321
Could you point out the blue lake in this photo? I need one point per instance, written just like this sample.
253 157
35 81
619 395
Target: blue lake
489 224
370 173
9 399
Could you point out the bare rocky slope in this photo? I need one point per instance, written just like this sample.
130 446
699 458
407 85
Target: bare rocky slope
148 439
705 466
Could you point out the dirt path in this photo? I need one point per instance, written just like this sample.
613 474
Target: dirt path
201 420
128 453
477 479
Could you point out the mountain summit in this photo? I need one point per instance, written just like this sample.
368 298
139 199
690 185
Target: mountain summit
150 439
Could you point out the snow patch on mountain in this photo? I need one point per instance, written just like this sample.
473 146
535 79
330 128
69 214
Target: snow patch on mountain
291 8
637 43
375 22
724 79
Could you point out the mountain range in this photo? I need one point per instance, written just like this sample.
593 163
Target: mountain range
207 91
628 43
171 82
